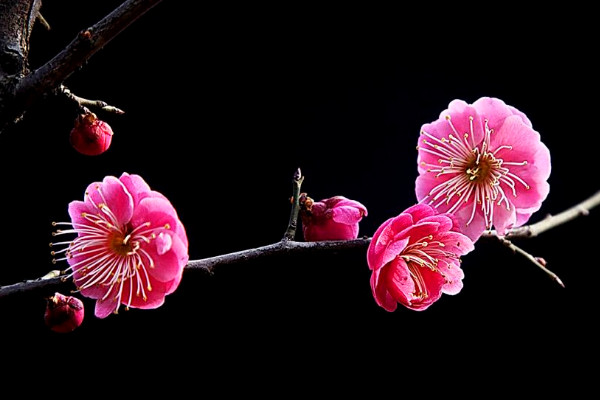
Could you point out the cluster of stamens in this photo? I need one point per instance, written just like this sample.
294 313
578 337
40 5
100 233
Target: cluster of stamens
476 172
425 253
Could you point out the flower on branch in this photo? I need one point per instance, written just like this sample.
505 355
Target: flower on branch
415 257
131 248
484 163
63 313
90 135
335 218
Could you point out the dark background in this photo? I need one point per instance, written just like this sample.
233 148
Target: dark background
222 105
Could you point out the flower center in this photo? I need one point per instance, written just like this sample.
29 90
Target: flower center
470 173
121 243
424 253
478 170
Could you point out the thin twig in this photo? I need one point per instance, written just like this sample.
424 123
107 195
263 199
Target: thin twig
527 231
290 232
89 103
43 22
531 258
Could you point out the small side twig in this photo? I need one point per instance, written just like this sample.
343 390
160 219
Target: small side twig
83 103
552 221
531 258
42 20
290 232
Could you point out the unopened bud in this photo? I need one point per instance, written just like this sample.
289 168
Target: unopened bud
90 135
63 313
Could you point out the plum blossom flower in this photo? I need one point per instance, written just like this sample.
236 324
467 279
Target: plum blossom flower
484 163
415 258
130 248
335 218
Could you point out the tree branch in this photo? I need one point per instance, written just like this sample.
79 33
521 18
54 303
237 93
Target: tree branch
49 76
552 221
290 247
287 247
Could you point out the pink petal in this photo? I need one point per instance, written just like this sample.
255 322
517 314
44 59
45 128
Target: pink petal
163 243
168 265
420 211
346 214
136 186
425 183
434 283
461 114
504 218
398 282
383 237
104 308
392 250
453 276
418 231
476 227
455 242
114 194
494 110
77 209
159 212
382 297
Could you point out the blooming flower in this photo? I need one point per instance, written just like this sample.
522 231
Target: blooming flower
485 164
335 218
415 257
130 248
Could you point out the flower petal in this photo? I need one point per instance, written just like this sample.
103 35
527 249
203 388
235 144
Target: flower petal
115 196
346 214
104 308
380 293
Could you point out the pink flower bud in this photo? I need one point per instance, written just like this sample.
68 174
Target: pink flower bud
63 313
335 218
90 135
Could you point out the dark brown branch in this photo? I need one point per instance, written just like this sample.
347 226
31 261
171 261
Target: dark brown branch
17 18
49 76
84 103
285 247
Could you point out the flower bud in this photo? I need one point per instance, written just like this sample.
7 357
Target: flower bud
90 135
63 313
335 218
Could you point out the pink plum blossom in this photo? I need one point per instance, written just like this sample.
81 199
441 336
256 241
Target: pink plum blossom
415 257
335 218
131 247
484 163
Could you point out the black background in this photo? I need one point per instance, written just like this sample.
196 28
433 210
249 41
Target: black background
222 104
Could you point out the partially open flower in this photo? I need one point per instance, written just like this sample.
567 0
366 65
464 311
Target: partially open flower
484 163
130 248
415 257
335 218
63 313
90 135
